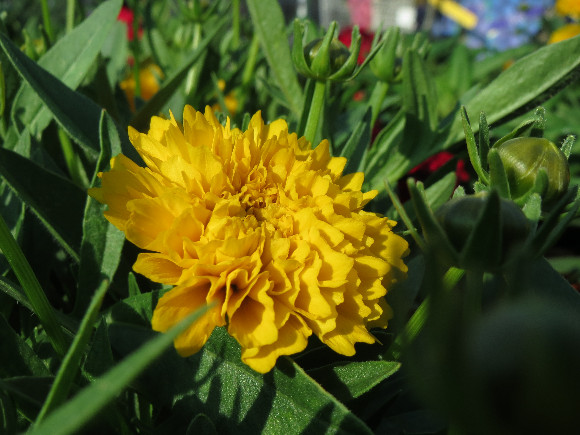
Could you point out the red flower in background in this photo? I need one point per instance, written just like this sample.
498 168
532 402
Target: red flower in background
127 16
345 36
433 163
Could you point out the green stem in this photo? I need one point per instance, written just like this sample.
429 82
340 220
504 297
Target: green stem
236 24
70 15
71 160
193 75
315 111
417 320
46 20
32 288
376 100
250 65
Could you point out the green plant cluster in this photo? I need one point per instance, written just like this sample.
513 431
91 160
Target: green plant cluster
485 329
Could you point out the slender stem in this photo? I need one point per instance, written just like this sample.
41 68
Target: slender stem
70 15
71 160
193 75
376 100
32 288
251 61
417 320
236 24
46 20
315 111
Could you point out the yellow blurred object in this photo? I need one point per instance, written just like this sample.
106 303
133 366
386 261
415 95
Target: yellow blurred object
568 7
565 32
150 76
453 10
230 100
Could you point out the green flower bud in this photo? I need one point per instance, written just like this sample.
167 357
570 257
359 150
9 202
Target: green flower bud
520 370
524 159
327 58
384 64
486 234
338 53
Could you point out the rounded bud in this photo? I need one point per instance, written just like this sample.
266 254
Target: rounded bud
460 219
525 157
338 54
521 368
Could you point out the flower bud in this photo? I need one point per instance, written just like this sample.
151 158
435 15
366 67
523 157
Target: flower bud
326 58
525 157
338 54
520 372
486 232
384 64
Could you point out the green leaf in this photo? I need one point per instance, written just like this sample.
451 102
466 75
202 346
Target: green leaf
347 381
419 96
525 85
217 383
100 357
142 118
269 25
18 359
69 59
102 243
32 288
78 411
77 114
56 201
357 144
70 363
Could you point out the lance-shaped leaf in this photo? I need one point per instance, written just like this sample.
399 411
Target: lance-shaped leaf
69 59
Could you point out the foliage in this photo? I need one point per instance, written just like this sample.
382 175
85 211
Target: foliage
75 321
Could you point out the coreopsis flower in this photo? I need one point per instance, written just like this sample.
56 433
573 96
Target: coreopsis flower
260 224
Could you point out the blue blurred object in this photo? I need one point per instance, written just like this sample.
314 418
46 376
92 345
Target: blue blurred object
502 24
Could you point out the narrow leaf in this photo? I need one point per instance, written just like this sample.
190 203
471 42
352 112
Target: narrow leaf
87 403
142 118
70 363
56 201
525 85
102 243
357 144
32 288
69 59
269 25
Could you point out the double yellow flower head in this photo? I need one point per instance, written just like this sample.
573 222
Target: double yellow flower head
260 224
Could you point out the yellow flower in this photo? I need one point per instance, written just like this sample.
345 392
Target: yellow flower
149 78
565 32
568 7
260 224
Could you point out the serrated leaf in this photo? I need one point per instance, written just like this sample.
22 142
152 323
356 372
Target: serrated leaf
270 27
69 59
